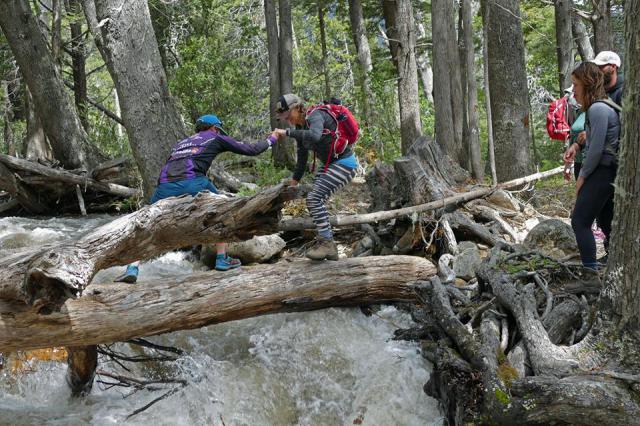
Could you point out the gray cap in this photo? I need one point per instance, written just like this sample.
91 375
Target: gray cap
286 102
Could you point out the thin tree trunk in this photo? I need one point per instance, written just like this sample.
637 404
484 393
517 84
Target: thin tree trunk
359 33
7 118
149 112
422 58
564 42
508 85
473 139
271 26
78 60
56 32
286 47
601 21
323 48
399 14
60 119
457 95
581 37
487 91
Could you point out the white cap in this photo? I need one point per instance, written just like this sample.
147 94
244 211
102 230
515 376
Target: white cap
607 57
569 89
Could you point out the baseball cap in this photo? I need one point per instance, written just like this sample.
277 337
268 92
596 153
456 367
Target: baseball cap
285 102
607 57
211 120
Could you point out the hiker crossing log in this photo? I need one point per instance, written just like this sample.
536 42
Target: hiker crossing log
47 278
119 312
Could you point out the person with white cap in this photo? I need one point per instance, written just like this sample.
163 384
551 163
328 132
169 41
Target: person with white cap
185 172
609 62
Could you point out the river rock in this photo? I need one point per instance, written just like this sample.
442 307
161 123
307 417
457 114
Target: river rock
258 249
553 238
467 261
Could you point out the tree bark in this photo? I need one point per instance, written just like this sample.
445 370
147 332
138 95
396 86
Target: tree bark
508 85
149 112
564 42
422 58
473 136
82 362
20 192
56 33
271 26
361 42
443 34
582 37
78 60
620 296
35 146
119 312
62 126
7 118
487 92
323 48
601 21
401 30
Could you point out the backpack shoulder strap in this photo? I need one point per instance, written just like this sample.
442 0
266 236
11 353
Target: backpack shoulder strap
611 103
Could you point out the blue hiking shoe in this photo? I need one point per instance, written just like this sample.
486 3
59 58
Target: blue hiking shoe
130 276
226 263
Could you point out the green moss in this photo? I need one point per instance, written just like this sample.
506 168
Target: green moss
507 374
502 397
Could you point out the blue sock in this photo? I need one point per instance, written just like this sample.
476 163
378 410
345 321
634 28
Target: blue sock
221 256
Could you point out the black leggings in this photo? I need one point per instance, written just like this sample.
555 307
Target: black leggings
595 201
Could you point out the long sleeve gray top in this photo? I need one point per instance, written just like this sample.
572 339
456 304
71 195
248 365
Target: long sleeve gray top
603 133
311 138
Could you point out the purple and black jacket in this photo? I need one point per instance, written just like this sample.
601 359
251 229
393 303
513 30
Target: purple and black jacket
191 157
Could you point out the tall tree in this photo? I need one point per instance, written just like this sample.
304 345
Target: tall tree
472 138
564 42
51 102
149 112
35 145
601 21
487 93
620 295
447 89
422 58
359 33
78 59
401 30
323 48
508 89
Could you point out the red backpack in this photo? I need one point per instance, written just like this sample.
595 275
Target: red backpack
557 119
347 129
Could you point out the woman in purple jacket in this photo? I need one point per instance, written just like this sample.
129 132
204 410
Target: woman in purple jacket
185 172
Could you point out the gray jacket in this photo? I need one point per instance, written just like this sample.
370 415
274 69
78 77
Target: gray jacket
310 138
603 137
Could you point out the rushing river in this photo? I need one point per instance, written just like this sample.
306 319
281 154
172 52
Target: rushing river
330 367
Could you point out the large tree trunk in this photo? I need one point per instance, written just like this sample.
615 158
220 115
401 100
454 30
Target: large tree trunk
508 88
149 112
62 125
601 21
582 37
623 269
361 42
473 133
35 145
54 274
112 313
564 42
401 30
445 60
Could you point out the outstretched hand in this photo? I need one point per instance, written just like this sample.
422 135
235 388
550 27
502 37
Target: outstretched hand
279 133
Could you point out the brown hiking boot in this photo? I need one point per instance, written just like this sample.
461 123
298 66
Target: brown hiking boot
323 249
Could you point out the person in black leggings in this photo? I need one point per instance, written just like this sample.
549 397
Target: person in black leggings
594 186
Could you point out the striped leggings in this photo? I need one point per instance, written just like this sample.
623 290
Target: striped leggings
324 185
